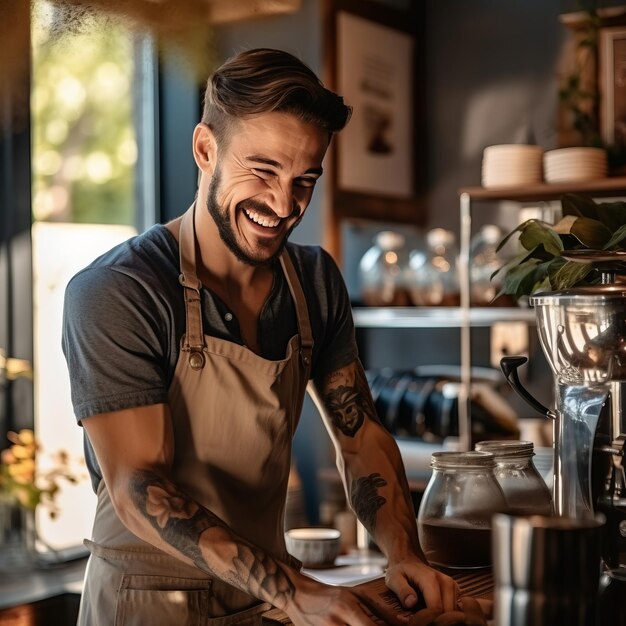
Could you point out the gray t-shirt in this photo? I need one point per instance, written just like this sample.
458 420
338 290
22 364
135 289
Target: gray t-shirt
124 317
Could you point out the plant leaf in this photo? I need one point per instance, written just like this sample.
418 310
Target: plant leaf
518 260
509 235
570 274
579 205
617 237
612 214
591 233
564 225
519 280
535 233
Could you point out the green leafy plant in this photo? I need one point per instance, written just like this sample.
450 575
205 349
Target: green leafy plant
541 266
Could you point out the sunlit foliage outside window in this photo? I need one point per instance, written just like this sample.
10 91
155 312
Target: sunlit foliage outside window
84 152
84 147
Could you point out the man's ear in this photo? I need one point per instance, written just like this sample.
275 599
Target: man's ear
204 148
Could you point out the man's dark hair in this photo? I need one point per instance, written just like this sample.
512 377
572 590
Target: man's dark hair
263 80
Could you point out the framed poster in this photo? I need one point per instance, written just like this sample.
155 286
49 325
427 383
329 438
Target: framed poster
374 57
612 81
374 75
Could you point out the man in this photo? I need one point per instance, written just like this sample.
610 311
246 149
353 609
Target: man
190 348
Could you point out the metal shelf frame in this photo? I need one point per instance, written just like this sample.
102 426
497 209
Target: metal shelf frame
437 317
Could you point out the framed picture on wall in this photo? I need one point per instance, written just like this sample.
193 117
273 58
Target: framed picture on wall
374 58
374 75
612 82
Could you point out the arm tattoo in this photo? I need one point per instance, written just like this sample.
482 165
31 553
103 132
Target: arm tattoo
180 521
348 406
365 499
263 576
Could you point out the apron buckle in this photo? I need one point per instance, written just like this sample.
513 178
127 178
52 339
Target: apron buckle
196 360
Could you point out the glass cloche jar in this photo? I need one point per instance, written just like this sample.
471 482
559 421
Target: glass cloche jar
433 275
382 271
454 517
525 490
484 261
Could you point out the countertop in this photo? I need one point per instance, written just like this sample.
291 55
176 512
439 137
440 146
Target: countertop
39 584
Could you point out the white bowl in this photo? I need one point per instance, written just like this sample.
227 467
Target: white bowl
315 547
512 164
513 149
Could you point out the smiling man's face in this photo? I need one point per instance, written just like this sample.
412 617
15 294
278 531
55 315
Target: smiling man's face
263 182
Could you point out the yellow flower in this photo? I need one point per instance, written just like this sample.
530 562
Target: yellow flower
26 437
21 452
23 482
24 471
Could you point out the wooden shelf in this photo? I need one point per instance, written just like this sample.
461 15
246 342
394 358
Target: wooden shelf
603 187
608 16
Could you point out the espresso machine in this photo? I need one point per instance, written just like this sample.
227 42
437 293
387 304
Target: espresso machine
583 334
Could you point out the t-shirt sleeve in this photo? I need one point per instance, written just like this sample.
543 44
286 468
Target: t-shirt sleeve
112 340
338 347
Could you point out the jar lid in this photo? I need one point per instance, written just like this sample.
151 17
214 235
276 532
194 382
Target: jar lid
465 460
440 237
389 240
506 448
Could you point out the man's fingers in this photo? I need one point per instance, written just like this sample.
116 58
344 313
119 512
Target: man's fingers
425 617
451 618
449 593
474 615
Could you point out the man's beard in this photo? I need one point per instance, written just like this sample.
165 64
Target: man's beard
225 228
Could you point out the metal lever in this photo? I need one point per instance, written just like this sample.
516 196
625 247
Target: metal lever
509 365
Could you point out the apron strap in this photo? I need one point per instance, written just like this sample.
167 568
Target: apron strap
302 313
193 339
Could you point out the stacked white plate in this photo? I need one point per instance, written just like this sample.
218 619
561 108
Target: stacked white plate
510 165
575 164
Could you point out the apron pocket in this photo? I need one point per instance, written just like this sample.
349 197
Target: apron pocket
250 617
162 601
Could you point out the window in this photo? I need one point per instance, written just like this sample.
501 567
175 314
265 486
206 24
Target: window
92 113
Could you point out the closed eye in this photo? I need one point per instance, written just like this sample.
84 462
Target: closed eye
265 174
305 181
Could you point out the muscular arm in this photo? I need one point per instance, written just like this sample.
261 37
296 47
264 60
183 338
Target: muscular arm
369 460
375 482
134 448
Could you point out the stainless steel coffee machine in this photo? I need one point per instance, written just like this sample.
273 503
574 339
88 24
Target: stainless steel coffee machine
583 335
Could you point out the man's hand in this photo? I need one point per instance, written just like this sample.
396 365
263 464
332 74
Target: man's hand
315 604
470 612
410 577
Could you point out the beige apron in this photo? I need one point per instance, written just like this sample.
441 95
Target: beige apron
234 415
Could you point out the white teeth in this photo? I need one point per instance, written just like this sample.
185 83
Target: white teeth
262 221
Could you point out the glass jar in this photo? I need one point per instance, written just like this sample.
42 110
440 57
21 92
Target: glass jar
433 276
484 262
382 271
454 517
525 491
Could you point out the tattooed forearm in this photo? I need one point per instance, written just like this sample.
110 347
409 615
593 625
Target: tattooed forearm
262 575
349 405
364 389
365 499
180 521
177 518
